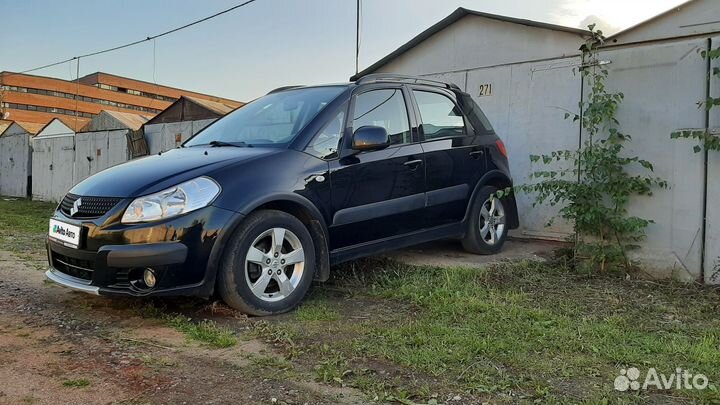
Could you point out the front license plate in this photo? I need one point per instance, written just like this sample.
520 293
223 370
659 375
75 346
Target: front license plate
68 235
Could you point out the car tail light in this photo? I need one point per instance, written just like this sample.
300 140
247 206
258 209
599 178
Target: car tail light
501 147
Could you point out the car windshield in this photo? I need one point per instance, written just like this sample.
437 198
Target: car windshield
273 120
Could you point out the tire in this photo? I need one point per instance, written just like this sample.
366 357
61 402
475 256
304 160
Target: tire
479 236
279 286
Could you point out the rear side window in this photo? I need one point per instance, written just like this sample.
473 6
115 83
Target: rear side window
439 115
383 108
477 118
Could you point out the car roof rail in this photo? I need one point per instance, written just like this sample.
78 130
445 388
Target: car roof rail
393 77
283 88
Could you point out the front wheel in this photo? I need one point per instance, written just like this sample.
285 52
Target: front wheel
487 224
268 264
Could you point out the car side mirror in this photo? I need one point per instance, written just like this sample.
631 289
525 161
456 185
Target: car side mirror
370 138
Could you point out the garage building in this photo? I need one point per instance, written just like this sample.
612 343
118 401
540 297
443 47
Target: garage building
525 77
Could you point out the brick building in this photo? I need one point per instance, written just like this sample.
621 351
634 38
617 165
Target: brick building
38 99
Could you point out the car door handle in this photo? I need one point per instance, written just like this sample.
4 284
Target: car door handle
413 163
476 154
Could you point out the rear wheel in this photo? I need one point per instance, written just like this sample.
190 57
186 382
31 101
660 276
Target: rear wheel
268 264
487 224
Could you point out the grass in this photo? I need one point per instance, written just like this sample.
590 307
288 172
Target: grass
24 224
205 331
316 311
521 332
79 383
513 332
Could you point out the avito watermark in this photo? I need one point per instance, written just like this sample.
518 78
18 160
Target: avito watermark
680 379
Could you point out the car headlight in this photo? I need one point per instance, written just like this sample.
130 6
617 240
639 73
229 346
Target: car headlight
185 197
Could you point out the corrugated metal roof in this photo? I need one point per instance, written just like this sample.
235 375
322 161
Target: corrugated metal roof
109 120
29 127
4 124
191 109
132 121
32 127
451 19
219 108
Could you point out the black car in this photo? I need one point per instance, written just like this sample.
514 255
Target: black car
265 200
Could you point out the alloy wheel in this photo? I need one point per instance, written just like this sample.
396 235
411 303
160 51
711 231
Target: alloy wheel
492 220
274 264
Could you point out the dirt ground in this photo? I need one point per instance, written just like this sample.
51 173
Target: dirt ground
449 253
61 347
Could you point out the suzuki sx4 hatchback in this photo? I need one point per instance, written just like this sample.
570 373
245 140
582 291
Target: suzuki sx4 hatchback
265 200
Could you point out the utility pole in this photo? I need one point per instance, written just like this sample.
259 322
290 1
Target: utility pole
357 36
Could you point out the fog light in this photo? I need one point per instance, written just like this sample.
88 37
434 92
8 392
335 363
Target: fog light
149 278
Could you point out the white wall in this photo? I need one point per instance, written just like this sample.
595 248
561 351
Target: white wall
712 231
52 169
54 128
475 41
15 162
96 151
693 18
662 83
526 108
163 137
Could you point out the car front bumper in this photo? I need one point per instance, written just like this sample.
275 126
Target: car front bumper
182 252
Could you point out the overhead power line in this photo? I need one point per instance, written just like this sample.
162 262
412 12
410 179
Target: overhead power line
150 38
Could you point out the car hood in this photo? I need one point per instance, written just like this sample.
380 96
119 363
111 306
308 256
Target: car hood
157 172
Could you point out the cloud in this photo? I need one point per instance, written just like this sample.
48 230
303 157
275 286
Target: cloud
600 24
617 14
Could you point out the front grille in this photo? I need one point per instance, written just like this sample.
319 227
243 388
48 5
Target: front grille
90 207
78 268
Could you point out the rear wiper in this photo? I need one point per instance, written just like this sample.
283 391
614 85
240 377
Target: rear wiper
236 144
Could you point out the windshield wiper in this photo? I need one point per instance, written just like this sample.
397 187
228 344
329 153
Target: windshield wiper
218 144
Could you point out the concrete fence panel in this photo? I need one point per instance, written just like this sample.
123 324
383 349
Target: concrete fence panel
662 84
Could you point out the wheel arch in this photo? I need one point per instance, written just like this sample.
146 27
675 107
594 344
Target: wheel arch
499 180
310 216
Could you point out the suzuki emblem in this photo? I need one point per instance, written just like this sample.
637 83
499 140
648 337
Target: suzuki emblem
76 207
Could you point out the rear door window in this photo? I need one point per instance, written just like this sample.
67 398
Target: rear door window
440 116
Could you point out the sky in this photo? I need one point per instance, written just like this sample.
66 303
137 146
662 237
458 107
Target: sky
270 43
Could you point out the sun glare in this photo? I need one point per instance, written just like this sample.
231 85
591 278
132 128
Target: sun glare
617 13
